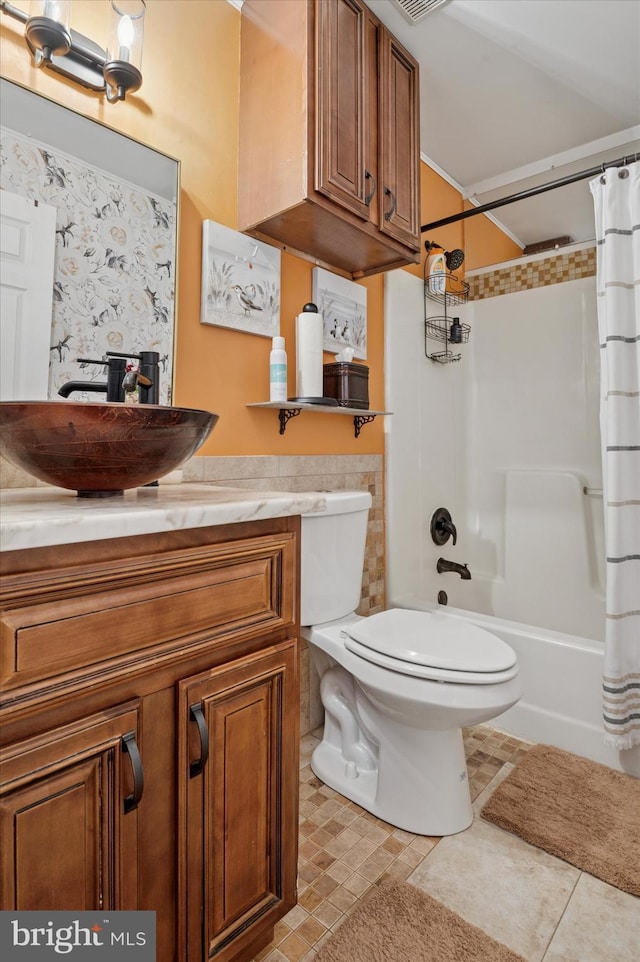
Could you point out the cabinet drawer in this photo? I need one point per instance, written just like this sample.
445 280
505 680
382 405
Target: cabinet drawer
214 592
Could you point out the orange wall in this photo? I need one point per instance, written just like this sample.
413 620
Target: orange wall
482 242
485 243
187 107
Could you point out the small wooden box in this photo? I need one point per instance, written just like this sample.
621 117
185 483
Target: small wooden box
348 383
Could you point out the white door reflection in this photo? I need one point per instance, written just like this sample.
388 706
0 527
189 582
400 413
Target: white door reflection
27 250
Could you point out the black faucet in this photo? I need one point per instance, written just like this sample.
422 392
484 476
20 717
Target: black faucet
149 370
462 570
147 380
112 387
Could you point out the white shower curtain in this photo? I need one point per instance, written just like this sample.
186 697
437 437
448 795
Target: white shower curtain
616 196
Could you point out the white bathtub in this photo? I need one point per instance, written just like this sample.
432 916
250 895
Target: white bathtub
562 683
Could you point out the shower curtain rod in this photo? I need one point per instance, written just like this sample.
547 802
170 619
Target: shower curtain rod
531 192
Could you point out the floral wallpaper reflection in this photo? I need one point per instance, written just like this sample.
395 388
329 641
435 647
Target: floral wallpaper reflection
114 278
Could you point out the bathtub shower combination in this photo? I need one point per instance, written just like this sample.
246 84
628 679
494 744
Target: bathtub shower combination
507 440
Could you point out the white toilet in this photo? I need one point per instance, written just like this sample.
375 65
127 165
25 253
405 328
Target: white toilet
396 687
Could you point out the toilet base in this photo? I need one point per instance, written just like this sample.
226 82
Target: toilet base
420 784
392 743
331 768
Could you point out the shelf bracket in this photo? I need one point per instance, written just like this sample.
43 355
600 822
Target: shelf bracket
285 415
361 419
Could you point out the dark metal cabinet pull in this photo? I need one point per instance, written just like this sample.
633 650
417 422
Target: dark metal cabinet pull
197 715
389 214
130 746
369 176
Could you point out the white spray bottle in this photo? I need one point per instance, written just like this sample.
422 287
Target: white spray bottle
278 370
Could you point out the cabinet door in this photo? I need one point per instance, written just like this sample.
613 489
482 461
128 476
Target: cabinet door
238 757
399 156
342 105
68 815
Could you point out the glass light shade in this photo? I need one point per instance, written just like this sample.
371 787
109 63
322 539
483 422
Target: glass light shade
125 32
58 10
47 29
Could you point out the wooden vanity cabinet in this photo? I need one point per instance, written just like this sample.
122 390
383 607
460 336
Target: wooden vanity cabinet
329 135
149 719
239 803
69 836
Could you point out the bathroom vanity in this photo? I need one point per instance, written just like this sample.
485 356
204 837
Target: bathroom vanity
149 709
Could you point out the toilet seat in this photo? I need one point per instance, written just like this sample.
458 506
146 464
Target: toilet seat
431 645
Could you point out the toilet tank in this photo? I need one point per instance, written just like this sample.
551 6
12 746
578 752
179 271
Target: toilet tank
332 557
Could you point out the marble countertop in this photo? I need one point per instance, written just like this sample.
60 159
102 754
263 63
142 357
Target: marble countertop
39 517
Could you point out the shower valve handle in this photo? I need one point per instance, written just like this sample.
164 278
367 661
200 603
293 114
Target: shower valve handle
449 528
442 527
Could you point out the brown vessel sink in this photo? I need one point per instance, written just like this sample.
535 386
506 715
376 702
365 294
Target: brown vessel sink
98 449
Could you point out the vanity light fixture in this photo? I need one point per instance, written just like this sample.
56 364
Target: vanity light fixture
55 45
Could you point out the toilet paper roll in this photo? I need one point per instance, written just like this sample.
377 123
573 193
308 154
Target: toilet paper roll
309 354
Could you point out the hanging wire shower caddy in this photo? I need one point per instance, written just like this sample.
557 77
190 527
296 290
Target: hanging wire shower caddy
450 291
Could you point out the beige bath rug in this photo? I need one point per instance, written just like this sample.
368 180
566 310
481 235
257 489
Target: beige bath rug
574 808
396 922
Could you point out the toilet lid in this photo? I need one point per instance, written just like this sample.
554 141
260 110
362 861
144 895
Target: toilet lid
432 639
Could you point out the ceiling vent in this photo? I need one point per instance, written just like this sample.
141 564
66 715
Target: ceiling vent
415 10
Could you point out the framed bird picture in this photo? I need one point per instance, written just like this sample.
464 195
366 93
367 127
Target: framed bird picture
343 305
240 281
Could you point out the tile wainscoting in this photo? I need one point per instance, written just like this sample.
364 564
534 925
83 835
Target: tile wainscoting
312 473
531 272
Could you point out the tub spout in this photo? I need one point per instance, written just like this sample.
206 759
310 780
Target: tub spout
444 565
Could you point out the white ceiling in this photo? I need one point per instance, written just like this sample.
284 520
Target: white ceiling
517 93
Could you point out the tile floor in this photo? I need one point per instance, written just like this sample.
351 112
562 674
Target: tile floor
538 905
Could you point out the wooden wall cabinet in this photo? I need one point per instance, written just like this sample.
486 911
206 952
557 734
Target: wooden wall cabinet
149 732
329 135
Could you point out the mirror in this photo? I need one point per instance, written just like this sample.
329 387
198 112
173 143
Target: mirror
112 242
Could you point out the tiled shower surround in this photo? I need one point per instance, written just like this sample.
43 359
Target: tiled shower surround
555 269
312 473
